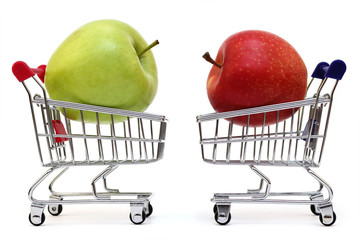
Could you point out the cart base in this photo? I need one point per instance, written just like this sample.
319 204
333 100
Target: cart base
318 205
140 207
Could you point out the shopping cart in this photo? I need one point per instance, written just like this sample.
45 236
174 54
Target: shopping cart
296 142
63 143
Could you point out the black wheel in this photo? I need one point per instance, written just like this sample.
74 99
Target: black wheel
328 224
222 223
42 220
313 210
150 209
143 217
215 209
55 210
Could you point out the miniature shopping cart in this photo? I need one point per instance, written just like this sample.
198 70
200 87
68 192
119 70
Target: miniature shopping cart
296 142
63 143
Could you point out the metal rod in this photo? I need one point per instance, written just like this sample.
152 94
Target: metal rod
262 109
131 145
139 134
264 178
113 134
268 145
215 137
312 118
242 144
84 135
254 148
228 147
298 129
262 136
291 134
327 120
246 134
283 141
68 130
106 110
201 139
125 142
243 139
46 132
98 132
48 114
103 137
152 137
143 136
276 134
113 167
55 179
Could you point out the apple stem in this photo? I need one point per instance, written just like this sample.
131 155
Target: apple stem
208 58
156 42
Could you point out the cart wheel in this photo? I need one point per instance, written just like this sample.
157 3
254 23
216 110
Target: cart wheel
42 220
138 219
314 210
330 222
215 209
221 222
150 210
55 210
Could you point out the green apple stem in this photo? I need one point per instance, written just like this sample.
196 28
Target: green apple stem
208 58
156 42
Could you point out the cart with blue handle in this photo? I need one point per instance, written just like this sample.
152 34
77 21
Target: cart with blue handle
63 143
295 142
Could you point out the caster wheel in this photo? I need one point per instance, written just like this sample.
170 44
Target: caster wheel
220 221
138 218
314 210
55 210
328 223
215 209
37 223
150 210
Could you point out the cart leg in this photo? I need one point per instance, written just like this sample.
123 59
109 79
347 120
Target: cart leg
97 178
258 190
111 190
137 212
263 178
222 209
148 208
55 179
55 209
37 183
315 207
37 216
222 213
327 215
322 184
147 205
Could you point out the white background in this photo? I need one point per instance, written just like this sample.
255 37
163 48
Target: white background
182 183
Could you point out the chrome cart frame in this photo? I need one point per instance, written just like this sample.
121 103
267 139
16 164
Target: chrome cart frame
63 143
295 142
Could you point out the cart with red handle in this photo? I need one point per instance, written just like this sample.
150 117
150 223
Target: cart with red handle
296 142
63 143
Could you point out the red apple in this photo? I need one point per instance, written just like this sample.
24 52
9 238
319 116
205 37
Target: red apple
255 68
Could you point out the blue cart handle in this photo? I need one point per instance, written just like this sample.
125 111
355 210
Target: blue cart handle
335 70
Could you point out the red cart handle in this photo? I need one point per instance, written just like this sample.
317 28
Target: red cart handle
22 71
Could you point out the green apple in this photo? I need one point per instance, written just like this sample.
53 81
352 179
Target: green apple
104 63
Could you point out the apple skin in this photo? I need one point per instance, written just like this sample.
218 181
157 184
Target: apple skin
98 64
258 68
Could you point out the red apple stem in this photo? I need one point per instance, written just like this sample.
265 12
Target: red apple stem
156 42
208 58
